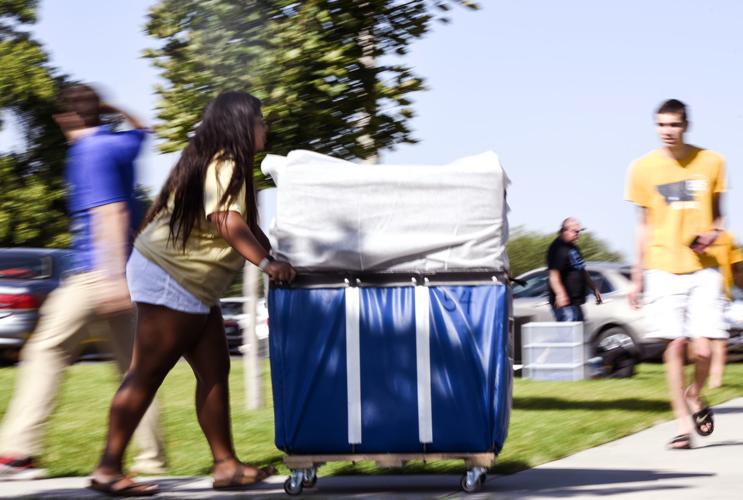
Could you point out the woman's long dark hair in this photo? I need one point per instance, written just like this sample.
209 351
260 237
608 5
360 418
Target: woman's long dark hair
226 133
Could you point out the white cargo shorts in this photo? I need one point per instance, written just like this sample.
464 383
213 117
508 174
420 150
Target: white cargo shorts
685 305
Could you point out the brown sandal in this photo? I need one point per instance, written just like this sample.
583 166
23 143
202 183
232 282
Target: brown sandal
113 487
239 480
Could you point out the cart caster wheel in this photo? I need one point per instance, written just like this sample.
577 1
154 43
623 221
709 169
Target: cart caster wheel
293 487
469 486
473 479
310 478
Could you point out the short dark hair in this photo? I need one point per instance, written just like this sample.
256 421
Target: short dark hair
674 106
83 100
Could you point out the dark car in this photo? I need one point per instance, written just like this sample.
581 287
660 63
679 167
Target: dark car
27 275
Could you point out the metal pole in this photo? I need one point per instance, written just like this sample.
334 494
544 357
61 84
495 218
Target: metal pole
252 371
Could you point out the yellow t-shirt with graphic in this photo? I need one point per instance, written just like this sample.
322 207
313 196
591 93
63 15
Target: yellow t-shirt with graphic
209 263
725 253
678 198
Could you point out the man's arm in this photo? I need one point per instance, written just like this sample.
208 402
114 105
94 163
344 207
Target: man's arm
561 295
641 239
555 262
707 238
133 120
110 246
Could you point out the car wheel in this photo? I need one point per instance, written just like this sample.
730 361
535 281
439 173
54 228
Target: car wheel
614 337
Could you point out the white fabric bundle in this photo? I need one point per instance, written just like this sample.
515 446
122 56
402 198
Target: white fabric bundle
337 215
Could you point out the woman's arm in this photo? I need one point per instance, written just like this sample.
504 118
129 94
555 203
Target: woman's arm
235 231
263 239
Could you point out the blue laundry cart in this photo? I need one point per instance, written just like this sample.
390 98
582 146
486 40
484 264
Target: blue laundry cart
391 367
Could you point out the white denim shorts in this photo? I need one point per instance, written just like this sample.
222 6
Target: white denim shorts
685 305
150 284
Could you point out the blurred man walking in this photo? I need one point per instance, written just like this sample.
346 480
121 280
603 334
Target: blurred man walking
101 200
677 189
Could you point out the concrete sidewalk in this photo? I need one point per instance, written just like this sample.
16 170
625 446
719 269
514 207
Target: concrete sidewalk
636 467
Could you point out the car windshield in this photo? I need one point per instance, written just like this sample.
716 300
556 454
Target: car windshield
25 267
535 286
232 308
601 282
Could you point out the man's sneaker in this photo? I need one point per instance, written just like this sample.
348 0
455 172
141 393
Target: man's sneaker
20 469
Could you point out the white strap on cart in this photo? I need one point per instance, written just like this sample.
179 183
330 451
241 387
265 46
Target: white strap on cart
423 362
353 364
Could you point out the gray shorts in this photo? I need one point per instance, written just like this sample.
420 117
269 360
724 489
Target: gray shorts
150 284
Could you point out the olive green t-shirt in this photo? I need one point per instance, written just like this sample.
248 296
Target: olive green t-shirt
209 264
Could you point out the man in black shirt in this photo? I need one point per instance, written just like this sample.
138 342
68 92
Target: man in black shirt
568 278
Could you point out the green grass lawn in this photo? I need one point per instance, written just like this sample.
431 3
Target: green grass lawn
549 419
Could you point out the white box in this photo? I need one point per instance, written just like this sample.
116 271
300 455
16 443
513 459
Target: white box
557 354
554 351
563 374
552 332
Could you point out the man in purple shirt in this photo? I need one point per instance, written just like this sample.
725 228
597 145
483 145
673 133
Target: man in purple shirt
103 213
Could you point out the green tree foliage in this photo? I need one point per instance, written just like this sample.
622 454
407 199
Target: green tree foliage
321 67
32 205
527 250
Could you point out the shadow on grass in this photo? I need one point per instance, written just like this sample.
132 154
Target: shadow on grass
627 404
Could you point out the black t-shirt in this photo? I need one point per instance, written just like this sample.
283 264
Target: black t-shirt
566 258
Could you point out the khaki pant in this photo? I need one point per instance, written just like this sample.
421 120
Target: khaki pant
67 316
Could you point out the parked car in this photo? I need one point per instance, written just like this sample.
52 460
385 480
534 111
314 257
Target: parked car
27 275
611 324
236 321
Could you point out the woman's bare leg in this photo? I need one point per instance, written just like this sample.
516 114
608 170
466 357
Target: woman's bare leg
163 335
210 361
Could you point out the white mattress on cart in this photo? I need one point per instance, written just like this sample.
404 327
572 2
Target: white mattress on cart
337 215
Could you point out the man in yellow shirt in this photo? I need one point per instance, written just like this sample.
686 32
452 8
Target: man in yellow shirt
677 189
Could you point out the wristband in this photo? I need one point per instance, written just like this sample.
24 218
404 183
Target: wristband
265 262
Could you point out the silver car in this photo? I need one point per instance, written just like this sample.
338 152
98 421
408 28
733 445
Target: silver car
236 320
27 275
608 325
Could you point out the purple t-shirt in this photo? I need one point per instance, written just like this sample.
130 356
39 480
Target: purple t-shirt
100 170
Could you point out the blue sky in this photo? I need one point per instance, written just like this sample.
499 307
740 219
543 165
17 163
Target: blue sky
562 91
